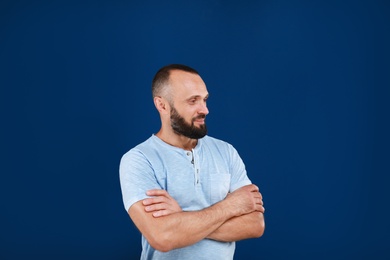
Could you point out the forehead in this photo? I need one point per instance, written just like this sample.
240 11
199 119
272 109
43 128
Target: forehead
185 84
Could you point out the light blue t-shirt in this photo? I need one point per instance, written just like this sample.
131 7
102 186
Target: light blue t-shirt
195 179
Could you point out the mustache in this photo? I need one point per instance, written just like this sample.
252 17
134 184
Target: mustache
202 116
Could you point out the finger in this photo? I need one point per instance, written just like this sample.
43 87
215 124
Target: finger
161 213
154 200
260 208
257 194
156 207
252 187
156 192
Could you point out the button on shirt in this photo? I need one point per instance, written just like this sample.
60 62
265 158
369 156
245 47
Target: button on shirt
196 179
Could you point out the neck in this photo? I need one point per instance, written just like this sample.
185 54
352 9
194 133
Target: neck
177 140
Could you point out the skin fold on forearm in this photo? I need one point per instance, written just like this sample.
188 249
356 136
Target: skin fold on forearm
238 228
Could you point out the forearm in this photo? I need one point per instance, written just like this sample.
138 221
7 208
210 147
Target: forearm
186 228
182 228
166 231
246 226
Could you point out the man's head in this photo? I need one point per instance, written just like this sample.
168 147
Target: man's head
160 83
180 96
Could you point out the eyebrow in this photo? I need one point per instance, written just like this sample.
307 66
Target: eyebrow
198 96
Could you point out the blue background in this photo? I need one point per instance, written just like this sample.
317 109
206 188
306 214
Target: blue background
300 88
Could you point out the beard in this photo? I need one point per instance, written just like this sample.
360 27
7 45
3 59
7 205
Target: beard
181 127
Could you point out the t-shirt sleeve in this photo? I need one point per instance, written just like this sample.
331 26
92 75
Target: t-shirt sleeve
136 177
238 172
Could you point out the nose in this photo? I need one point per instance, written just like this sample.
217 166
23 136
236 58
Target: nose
203 109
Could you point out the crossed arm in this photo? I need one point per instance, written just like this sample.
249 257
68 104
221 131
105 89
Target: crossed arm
163 223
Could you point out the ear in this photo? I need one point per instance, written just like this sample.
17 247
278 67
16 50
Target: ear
162 105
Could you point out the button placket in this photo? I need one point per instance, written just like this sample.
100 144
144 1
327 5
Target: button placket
196 168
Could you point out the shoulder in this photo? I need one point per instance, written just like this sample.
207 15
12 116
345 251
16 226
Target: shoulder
145 147
217 146
139 152
216 143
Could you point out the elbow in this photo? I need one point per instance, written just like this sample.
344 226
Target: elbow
260 230
161 242
260 227
161 247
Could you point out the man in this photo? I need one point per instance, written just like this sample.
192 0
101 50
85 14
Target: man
186 192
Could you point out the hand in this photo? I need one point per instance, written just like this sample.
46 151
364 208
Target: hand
246 199
162 204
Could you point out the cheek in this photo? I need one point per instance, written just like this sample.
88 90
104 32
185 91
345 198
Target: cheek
190 120
188 113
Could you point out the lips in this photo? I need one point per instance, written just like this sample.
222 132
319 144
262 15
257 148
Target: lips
200 119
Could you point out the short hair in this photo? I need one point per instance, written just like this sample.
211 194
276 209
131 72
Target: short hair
161 79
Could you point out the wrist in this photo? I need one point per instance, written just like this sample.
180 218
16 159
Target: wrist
229 208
